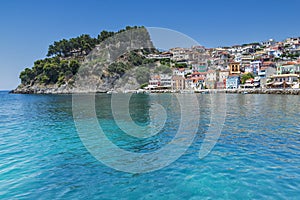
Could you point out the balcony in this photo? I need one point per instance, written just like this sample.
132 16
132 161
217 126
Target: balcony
261 73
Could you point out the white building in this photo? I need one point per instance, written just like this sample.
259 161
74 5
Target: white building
268 43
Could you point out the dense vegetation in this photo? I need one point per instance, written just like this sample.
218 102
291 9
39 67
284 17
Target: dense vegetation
64 57
246 76
50 71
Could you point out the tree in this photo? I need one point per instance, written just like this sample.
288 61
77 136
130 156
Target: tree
118 68
26 76
52 72
246 76
163 69
142 75
74 66
104 35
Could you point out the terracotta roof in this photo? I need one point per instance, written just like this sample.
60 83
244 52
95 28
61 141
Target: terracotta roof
195 73
197 78
156 77
268 63
290 63
177 78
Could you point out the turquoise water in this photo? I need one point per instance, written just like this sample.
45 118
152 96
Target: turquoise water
256 157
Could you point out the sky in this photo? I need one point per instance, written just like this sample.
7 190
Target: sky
28 27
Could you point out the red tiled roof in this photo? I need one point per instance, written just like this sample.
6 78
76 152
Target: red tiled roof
196 73
268 63
197 78
290 63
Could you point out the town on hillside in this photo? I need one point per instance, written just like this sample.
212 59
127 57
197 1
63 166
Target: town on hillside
268 64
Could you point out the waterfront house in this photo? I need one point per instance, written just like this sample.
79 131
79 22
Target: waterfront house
211 79
264 73
178 82
154 82
284 81
221 79
159 82
232 82
165 81
189 83
199 74
252 83
198 83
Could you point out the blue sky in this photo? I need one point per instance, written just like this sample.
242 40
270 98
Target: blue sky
28 27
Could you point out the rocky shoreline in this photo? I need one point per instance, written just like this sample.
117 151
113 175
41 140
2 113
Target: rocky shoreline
265 91
67 90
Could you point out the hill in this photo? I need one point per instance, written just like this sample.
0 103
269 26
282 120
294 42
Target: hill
85 64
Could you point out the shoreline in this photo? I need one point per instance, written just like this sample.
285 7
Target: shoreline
205 91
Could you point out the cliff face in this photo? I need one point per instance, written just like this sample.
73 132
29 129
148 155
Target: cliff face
117 63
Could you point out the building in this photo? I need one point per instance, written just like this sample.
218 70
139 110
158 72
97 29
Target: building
179 72
232 82
254 67
291 41
199 74
165 81
178 83
179 54
252 83
284 81
159 82
211 79
198 83
199 68
268 43
154 82
234 68
269 64
221 79
274 52
264 73
289 69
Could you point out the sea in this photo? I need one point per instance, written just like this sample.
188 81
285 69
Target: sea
255 156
